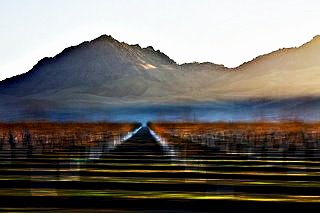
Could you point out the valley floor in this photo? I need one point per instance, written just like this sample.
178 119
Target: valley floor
155 169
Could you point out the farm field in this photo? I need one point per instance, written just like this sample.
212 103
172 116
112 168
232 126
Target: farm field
220 167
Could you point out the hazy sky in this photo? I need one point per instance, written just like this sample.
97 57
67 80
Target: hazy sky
227 32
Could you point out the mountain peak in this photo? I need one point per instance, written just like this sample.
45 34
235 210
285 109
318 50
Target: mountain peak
149 48
105 37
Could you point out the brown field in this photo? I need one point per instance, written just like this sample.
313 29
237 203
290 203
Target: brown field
215 165
259 133
40 133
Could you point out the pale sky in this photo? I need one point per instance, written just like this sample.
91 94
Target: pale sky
227 32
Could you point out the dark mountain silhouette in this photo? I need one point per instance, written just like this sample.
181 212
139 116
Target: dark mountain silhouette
105 75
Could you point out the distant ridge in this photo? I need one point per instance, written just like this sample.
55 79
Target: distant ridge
106 74
282 51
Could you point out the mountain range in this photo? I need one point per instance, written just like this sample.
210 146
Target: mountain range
105 79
